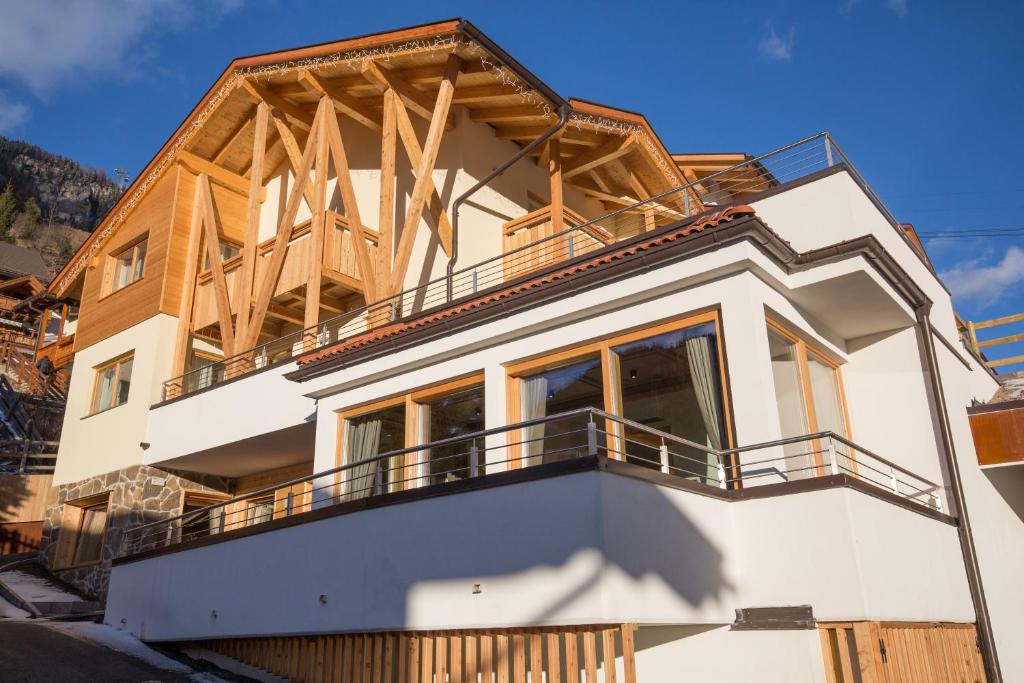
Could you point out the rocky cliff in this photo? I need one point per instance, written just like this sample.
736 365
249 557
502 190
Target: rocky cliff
65 191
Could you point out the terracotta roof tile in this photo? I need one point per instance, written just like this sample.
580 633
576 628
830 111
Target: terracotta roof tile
700 224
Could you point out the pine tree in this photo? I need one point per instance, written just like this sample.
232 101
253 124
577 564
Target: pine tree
8 207
26 225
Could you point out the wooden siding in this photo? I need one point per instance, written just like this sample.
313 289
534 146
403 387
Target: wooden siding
104 314
574 654
901 652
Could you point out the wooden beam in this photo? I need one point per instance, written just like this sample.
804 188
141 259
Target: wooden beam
613 149
555 181
284 231
188 285
411 144
518 112
264 94
599 180
291 148
220 284
388 152
417 100
318 226
479 93
239 131
367 271
217 174
343 102
252 220
424 169
343 280
284 313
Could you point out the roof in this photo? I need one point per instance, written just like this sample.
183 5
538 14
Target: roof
16 261
224 98
700 224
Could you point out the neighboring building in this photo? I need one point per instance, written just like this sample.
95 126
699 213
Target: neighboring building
31 408
394 359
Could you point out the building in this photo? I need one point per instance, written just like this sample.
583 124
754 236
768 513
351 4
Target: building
395 361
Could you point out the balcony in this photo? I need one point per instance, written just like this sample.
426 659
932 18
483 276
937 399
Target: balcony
531 243
572 441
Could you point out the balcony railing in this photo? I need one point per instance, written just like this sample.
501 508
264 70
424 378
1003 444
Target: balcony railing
576 434
745 180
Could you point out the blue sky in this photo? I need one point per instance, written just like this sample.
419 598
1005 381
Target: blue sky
924 96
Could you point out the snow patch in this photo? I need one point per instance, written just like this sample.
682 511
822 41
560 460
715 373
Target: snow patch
126 643
32 588
9 611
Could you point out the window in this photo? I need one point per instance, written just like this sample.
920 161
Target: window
259 510
204 370
669 378
112 382
82 531
445 417
809 399
227 250
367 436
449 410
128 265
199 521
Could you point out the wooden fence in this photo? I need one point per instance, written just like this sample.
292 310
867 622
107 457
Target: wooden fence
570 654
901 652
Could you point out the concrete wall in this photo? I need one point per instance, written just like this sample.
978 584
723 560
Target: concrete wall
110 440
589 548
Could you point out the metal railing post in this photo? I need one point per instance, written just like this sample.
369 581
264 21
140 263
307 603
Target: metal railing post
892 480
474 460
686 203
828 150
474 281
591 436
663 451
722 483
378 479
833 462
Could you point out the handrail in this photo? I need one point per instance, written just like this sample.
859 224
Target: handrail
595 415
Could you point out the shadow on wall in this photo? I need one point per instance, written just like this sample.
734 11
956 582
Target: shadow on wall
642 535
14 493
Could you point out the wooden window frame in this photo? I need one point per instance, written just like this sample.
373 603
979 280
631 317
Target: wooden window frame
72 519
110 269
602 347
804 348
97 370
411 400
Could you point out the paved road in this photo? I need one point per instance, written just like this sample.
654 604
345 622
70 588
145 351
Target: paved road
30 652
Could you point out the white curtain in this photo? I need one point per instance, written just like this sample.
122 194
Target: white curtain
534 397
702 375
363 443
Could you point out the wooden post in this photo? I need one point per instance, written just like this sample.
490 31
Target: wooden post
188 286
386 221
252 221
220 286
318 225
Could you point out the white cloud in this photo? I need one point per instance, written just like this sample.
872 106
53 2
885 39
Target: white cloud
775 47
899 7
12 114
983 282
45 43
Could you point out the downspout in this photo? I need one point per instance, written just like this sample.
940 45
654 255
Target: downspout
967 548
473 33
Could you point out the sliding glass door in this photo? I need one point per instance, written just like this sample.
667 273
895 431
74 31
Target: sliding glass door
668 378
808 399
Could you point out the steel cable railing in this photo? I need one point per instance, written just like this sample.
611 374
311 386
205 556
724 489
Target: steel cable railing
744 180
588 432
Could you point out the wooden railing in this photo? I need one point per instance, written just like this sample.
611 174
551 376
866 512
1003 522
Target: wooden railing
972 338
339 266
18 363
527 248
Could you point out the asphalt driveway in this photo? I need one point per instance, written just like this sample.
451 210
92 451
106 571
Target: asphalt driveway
32 651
